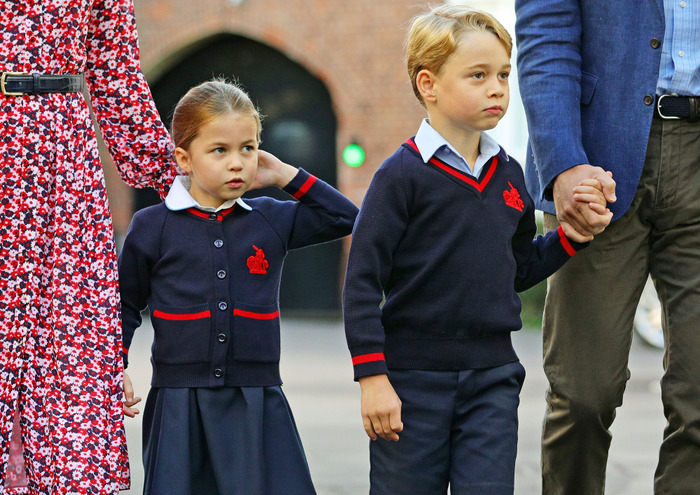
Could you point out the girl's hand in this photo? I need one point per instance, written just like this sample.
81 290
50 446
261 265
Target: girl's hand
129 400
272 171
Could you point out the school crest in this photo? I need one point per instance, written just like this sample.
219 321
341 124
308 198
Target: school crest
258 264
513 199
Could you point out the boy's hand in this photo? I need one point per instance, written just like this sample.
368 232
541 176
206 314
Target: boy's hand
272 171
381 408
129 400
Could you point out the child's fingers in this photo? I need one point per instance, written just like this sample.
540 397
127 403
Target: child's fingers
591 183
589 198
130 411
387 432
395 422
369 429
132 401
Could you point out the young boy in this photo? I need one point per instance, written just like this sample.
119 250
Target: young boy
445 234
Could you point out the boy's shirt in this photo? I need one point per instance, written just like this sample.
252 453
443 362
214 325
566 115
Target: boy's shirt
431 144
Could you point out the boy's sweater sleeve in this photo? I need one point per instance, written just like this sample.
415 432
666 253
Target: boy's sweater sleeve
136 259
379 228
323 214
538 258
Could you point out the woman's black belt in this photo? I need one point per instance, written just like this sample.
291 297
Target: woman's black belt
21 83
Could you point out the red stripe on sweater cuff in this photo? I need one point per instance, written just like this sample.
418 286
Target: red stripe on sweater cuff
565 242
305 187
368 358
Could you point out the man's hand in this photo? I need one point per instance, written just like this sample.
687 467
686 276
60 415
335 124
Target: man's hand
381 408
579 222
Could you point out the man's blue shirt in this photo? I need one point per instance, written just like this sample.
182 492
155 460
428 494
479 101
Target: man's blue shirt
680 56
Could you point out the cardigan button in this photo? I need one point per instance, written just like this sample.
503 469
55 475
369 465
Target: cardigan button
223 306
655 43
221 337
218 243
218 373
648 100
221 274
212 216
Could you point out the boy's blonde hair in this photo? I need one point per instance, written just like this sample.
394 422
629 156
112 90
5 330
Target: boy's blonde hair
435 35
205 102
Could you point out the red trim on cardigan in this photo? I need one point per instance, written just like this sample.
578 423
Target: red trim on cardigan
565 242
305 187
479 186
368 358
256 316
181 317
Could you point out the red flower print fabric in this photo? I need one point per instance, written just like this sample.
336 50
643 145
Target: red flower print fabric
60 340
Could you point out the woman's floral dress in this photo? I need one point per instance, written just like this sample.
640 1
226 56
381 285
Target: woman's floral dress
60 337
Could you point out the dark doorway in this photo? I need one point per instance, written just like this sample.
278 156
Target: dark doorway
299 127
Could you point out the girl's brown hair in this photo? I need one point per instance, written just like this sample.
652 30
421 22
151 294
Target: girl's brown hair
205 102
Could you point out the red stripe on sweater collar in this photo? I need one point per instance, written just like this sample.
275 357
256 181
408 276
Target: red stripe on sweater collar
479 186
219 214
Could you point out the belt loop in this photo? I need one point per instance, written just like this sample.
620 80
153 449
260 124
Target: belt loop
36 83
694 109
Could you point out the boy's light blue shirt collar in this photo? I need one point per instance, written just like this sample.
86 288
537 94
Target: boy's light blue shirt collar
179 198
431 143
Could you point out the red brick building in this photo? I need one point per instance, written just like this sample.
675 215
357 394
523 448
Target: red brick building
324 73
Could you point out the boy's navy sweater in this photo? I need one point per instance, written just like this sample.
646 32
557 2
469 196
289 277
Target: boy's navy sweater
211 282
449 253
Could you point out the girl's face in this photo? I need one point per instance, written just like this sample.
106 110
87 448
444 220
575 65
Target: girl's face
222 159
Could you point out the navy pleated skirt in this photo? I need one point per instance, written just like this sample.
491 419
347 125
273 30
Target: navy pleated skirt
223 441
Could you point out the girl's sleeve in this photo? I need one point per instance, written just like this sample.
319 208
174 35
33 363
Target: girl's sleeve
136 259
323 214
136 138
381 225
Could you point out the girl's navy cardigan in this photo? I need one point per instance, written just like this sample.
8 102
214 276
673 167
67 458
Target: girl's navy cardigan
448 253
211 282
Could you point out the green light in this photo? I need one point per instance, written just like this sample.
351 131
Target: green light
353 155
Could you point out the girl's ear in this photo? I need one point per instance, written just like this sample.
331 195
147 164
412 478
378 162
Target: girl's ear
183 160
425 82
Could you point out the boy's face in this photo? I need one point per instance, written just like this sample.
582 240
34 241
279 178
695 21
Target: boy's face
470 92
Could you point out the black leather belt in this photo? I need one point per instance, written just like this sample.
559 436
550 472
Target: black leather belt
21 83
678 107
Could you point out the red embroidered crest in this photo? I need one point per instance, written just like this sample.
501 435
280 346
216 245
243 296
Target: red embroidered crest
258 263
512 198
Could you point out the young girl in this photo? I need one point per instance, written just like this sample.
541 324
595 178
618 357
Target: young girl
208 266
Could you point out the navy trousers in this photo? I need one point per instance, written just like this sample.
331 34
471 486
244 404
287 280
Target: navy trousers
460 430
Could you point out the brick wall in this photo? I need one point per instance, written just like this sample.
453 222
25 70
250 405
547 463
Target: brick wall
355 47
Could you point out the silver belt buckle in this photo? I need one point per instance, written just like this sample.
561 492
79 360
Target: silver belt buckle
658 108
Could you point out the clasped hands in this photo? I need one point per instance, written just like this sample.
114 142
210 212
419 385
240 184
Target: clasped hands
581 194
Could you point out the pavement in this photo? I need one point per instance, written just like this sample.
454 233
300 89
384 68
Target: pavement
326 402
